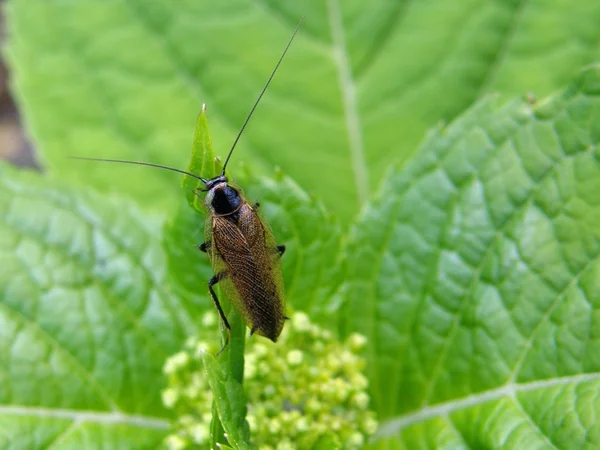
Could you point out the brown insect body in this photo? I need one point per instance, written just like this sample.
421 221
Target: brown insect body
245 258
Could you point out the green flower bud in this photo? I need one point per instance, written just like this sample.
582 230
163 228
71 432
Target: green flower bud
348 360
360 400
250 370
359 381
334 363
175 442
260 350
251 418
285 445
369 425
274 426
294 358
357 342
335 424
187 420
176 362
355 441
302 424
170 397
263 369
301 322
209 319
269 390
313 405
200 433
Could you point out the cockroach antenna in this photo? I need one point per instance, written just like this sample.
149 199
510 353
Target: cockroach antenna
261 94
140 163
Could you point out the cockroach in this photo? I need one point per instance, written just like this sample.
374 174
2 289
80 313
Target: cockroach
243 253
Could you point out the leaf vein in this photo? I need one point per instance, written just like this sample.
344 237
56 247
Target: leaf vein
394 426
350 103
64 434
500 54
86 416
528 346
393 21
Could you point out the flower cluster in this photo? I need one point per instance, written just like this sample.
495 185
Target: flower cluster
305 391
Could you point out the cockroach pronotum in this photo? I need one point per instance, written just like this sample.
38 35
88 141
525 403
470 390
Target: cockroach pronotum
242 250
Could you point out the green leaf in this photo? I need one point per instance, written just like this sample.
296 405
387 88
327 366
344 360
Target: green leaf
357 91
86 319
229 398
202 162
217 433
230 401
188 267
475 277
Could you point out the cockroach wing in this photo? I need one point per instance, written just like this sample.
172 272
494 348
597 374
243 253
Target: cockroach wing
244 249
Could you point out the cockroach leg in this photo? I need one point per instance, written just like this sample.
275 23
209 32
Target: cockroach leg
286 318
204 247
214 280
252 331
256 205
281 249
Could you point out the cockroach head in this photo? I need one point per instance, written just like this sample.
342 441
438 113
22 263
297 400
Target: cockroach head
215 181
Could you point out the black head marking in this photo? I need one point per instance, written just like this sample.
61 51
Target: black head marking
226 200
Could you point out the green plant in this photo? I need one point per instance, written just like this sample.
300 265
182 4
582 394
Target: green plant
306 392
472 273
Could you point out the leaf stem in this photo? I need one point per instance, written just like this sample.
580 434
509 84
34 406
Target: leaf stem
231 363
233 357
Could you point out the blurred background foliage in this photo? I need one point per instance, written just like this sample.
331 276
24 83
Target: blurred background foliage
359 89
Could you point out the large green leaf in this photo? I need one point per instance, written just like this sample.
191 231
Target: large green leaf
475 276
361 84
87 319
